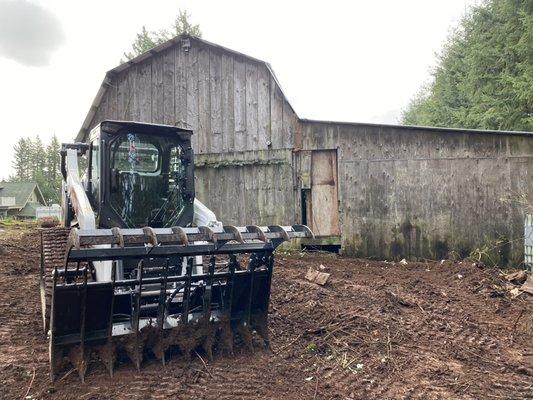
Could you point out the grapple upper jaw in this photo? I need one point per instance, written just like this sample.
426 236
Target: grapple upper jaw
165 298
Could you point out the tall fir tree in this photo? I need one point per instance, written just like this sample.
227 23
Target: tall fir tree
484 76
147 40
53 159
20 161
38 158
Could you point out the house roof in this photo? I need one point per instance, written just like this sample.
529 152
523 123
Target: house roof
21 191
84 130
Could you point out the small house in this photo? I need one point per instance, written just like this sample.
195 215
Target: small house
20 199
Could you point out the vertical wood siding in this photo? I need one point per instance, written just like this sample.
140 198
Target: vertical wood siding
427 193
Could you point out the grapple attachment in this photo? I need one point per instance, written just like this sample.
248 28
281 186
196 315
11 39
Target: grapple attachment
129 293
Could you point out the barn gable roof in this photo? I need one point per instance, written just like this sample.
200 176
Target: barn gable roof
184 40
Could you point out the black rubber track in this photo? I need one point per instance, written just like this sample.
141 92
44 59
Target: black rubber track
53 247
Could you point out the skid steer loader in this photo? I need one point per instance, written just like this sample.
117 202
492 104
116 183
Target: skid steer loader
140 267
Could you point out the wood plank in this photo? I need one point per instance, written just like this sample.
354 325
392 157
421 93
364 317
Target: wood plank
157 90
180 92
125 96
228 107
243 209
261 194
276 115
289 125
239 75
215 89
263 107
169 86
249 194
191 60
252 139
143 92
204 102
112 102
324 196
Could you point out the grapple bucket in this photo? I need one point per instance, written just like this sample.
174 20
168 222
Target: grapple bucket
131 293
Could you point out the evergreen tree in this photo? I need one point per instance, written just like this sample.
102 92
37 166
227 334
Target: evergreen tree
53 159
147 40
38 158
37 163
20 164
484 77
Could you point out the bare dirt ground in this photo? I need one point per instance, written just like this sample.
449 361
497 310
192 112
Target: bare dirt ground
376 330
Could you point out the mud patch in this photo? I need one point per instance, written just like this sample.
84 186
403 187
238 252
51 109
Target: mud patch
451 338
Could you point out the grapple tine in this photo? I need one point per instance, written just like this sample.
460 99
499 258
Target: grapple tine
187 292
79 360
209 288
160 346
208 342
226 332
244 326
77 354
185 335
259 317
107 352
134 347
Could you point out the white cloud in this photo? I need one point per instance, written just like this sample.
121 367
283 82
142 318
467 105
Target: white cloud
29 33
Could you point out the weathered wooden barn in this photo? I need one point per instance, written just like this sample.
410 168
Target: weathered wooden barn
378 190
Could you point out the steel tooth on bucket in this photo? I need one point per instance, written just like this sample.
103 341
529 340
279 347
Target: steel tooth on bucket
159 344
206 326
259 320
134 346
79 354
79 357
244 328
108 354
226 336
186 339
108 351
207 331
186 334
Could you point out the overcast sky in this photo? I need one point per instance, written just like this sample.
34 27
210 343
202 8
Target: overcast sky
336 60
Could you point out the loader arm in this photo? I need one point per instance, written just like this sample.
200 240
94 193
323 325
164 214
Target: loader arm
76 194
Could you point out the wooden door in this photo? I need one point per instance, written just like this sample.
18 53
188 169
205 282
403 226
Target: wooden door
324 209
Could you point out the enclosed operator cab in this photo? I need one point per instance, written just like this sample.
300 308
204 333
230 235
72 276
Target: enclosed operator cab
139 175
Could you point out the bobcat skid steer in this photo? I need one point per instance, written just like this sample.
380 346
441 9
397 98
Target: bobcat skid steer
140 268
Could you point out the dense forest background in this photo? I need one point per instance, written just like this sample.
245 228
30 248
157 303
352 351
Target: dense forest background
484 74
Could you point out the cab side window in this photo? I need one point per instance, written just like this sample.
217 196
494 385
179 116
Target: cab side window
95 170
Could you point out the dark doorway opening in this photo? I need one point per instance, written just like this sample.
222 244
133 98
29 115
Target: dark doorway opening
304 204
330 248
